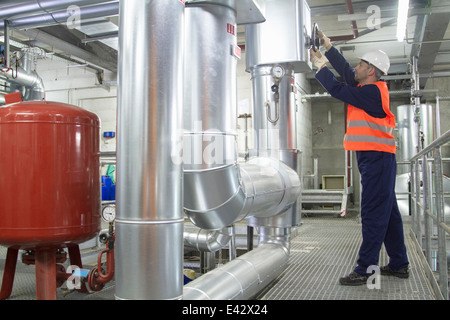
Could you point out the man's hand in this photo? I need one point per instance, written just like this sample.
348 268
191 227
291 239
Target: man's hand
324 40
318 59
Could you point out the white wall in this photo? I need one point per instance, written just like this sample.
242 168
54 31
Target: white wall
79 86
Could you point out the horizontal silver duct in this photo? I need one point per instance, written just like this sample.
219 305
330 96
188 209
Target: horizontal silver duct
64 16
21 8
242 278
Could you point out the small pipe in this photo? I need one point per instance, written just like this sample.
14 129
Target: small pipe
350 11
7 47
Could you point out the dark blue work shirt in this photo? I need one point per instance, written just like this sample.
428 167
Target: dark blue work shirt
366 97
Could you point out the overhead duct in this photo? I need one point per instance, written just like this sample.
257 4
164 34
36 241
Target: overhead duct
21 8
63 16
149 224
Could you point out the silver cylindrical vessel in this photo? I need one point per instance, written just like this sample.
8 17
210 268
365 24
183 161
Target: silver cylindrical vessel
411 120
274 108
149 236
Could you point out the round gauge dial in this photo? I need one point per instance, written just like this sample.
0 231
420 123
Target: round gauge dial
278 71
109 213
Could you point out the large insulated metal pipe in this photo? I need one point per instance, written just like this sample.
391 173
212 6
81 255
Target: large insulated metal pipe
242 278
217 190
149 225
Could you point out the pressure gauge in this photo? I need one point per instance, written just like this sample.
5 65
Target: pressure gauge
278 71
109 213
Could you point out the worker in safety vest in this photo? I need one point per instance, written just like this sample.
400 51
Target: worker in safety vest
370 127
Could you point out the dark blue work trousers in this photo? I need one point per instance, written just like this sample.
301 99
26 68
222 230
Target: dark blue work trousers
380 217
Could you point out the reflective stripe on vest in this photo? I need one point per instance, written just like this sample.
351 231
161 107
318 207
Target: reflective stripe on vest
367 133
374 126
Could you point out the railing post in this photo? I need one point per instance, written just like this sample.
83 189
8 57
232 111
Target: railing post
412 192
442 250
426 206
418 225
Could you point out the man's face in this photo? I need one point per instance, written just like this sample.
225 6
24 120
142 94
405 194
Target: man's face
362 71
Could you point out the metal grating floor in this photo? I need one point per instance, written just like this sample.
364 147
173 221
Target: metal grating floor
325 249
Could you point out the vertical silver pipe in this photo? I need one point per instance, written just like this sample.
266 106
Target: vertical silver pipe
412 195
316 171
418 219
149 225
426 206
438 117
7 51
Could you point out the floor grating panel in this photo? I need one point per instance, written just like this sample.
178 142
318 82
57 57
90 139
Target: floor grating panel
326 249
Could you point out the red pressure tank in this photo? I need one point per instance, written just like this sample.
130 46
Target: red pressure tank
49 175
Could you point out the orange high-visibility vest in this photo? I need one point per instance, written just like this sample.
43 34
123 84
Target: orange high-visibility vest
366 133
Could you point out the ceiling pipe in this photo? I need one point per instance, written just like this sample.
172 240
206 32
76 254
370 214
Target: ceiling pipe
350 11
62 17
21 8
68 48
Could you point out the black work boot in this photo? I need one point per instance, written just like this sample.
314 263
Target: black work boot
401 273
354 279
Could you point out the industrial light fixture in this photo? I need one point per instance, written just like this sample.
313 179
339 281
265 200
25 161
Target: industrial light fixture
403 7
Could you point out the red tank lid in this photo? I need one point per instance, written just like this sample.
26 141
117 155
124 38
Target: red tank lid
46 111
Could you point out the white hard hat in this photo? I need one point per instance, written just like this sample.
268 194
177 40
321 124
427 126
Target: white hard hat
378 59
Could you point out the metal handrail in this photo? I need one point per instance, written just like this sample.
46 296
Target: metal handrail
424 206
435 144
